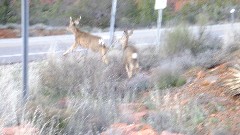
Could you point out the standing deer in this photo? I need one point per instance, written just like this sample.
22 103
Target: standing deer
86 40
130 54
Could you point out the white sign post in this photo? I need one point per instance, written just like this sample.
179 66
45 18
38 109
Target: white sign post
159 5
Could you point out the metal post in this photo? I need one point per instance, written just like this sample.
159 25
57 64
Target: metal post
159 24
232 11
25 34
112 22
232 17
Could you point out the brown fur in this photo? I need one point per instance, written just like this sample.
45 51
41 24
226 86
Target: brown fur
131 63
86 40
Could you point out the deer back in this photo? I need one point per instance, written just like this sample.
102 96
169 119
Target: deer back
89 41
130 55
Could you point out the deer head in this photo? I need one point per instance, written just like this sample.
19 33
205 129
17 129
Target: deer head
73 23
124 39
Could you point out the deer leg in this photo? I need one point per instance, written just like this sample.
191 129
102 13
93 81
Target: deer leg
129 70
104 57
70 49
136 68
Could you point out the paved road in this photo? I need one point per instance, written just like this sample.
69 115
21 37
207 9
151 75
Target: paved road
10 49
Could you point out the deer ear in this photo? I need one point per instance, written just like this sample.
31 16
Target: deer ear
130 33
80 17
71 19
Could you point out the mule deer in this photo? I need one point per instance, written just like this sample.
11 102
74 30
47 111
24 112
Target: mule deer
130 54
86 40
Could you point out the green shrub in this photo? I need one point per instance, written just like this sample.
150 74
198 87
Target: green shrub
166 78
149 57
169 80
179 40
7 14
180 82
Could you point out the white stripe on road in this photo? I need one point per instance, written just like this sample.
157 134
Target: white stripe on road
53 52
30 54
40 53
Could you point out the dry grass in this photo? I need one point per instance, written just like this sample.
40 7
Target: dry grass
72 95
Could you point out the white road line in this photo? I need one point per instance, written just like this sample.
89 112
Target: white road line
30 54
40 53
56 52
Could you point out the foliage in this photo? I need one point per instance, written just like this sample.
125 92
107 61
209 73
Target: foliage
180 40
169 80
147 14
164 78
127 13
136 13
7 14
217 10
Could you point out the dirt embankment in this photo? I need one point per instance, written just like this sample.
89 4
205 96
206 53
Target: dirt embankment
16 33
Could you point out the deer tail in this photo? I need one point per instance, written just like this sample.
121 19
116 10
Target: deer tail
134 56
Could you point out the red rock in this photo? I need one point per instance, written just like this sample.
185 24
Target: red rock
169 133
132 113
201 74
8 33
132 129
221 68
8 131
147 132
20 130
184 102
117 125
63 103
210 80
132 107
139 116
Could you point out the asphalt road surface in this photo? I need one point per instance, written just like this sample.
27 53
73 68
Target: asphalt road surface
39 47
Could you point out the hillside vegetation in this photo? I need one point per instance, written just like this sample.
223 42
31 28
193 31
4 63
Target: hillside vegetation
130 13
186 87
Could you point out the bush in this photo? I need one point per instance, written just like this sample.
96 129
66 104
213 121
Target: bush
149 58
166 78
90 88
92 116
73 76
161 120
217 9
181 40
7 14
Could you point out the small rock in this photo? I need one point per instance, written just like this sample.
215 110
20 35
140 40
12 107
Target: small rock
132 129
201 74
63 103
20 130
139 116
210 80
169 133
132 113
